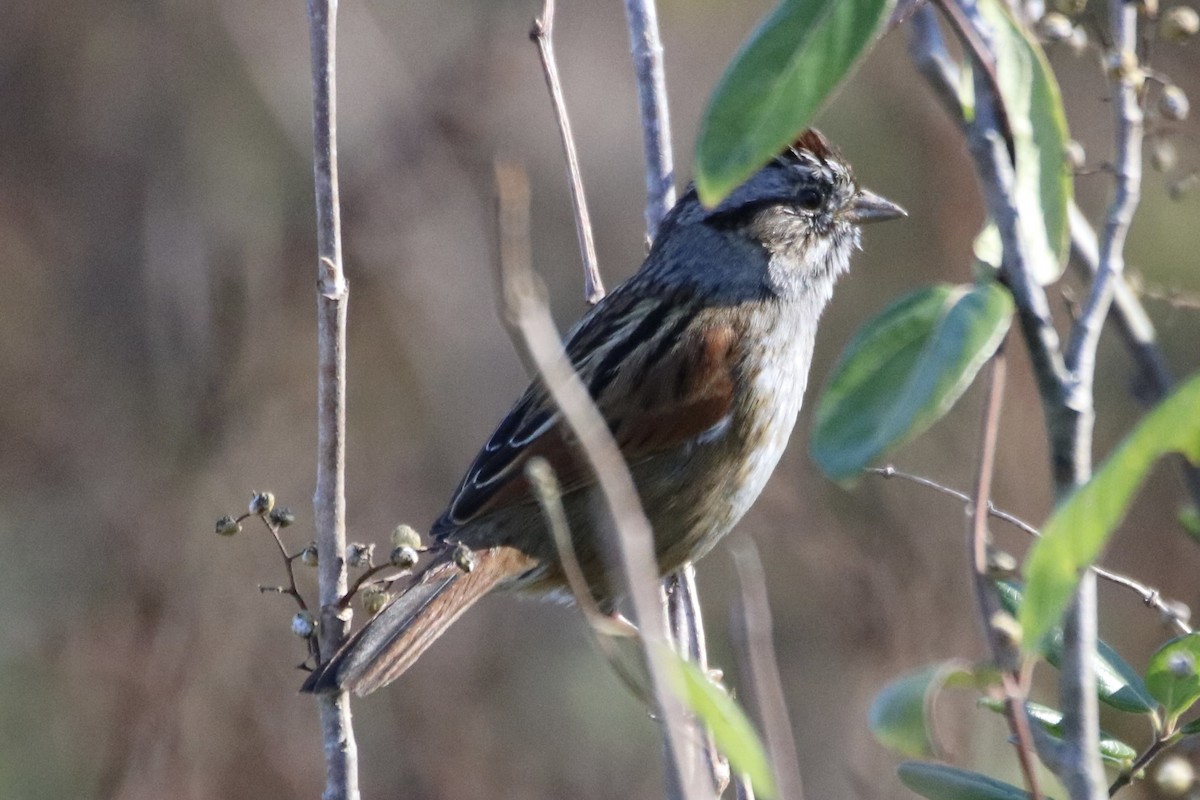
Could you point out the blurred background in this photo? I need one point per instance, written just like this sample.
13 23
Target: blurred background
157 355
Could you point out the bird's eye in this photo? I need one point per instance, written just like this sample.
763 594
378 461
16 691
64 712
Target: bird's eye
809 199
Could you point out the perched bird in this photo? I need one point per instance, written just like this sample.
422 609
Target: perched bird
698 363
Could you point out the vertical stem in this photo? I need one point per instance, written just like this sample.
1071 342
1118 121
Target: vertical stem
647 50
329 499
1084 778
679 590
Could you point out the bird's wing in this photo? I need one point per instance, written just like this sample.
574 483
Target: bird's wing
662 371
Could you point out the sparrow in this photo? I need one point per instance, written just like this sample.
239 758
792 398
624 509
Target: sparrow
698 363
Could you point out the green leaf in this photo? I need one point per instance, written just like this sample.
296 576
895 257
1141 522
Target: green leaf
939 782
1171 674
904 370
1079 528
731 729
1191 728
1043 184
901 715
776 83
1117 683
1112 750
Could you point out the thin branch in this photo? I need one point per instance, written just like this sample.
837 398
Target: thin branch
1136 330
1172 612
1127 171
994 169
756 655
647 51
684 619
1127 775
329 499
542 35
1004 654
1084 777
533 332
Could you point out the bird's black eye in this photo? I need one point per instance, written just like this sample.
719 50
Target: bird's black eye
809 199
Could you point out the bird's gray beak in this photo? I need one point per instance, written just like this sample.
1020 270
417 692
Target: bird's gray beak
870 207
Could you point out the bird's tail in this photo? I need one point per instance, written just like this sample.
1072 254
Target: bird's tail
390 643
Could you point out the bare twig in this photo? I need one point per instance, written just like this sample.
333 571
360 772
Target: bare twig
329 499
1127 775
647 50
756 653
533 332
1068 423
605 629
542 35
1004 652
1127 171
1173 613
1084 775
1136 330
684 619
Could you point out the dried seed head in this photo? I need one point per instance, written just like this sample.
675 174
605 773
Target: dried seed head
1179 24
261 503
404 557
359 555
1055 27
281 517
228 526
1173 103
308 556
1001 564
1078 41
1076 155
406 536
463 557
374 598
1006 628
1163 157
304 624
1070 7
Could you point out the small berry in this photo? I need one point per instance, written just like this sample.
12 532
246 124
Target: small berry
463 557
1179 24
404 557
1076 155
1174 776
1056 27
1181 664
304 624
359 554
308 556
406 536
1070 7
1078 41
1006 628
1173 103
228 526
373 598
1001 564
281 517
261 503
1163 157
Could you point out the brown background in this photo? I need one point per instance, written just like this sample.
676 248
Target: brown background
156 359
